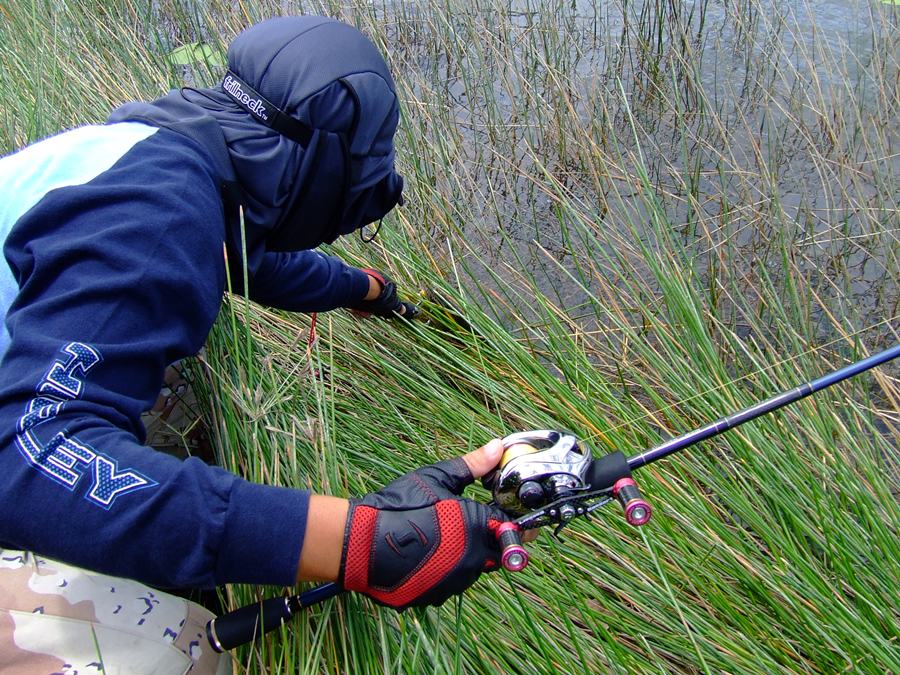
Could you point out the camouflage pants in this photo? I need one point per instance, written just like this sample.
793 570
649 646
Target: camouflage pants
55 618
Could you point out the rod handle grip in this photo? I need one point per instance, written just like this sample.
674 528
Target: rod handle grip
247 623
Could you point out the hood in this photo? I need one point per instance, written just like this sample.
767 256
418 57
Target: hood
306 116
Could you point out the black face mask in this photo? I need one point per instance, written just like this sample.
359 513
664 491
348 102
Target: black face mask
314 216
320 214
323 207
372 204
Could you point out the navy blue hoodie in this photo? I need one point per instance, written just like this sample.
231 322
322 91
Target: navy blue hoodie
113 242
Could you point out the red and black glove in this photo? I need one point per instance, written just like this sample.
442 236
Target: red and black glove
415 542
387 304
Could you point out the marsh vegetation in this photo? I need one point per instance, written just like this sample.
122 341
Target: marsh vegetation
624 219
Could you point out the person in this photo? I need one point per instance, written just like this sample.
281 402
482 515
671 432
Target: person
114 238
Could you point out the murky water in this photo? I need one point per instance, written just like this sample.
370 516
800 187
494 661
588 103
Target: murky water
754 122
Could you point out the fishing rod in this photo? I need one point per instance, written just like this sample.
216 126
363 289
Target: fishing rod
544 478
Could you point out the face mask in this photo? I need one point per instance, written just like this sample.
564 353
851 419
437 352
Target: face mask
325 206
314 216
317 217
372 204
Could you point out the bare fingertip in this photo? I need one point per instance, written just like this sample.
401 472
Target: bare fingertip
494 448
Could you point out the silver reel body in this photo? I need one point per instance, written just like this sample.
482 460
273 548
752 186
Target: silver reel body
538 467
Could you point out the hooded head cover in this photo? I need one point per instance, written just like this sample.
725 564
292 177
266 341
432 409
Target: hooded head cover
307 114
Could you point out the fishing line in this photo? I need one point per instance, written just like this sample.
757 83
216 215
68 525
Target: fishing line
776 364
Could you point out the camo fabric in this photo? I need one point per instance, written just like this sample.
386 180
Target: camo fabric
55 618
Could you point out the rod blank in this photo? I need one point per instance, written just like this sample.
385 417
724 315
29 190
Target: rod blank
759 409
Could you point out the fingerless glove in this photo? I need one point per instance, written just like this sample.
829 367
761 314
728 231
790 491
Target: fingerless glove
387 304
416 542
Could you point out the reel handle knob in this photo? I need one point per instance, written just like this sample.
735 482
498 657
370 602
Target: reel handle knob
513 556
637 511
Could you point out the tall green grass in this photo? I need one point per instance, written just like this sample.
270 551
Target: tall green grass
623 219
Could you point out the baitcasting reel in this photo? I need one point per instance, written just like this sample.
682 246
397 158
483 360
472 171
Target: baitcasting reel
538 467
547 477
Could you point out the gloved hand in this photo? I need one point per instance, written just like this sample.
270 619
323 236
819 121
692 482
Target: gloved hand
415 542
387 304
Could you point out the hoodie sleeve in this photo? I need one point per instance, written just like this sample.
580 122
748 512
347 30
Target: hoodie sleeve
119 276
307 281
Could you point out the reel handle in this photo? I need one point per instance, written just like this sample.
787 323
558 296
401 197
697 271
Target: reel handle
637 511
513 556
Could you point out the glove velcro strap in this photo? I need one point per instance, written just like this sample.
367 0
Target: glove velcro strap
436 566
